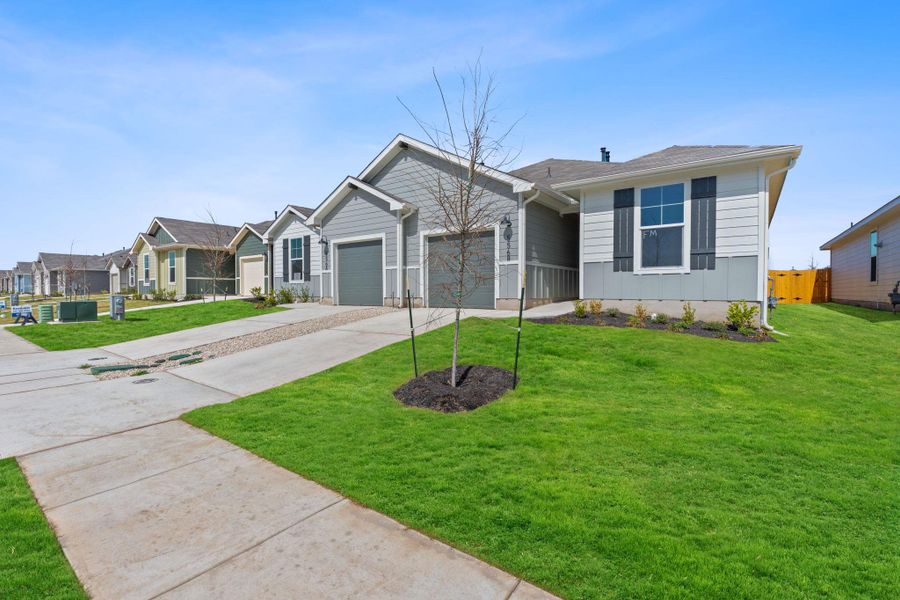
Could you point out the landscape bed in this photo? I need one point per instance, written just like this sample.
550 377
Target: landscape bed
628 462
137 325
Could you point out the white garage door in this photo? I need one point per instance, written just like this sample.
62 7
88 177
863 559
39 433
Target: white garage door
253 273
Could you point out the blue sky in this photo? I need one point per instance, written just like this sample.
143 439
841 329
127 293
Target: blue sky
114 112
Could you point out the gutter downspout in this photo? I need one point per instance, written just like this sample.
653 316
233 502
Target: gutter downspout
764 313
401 260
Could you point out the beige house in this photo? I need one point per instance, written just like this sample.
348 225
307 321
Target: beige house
865 259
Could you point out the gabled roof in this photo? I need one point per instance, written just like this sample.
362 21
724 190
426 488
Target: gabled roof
890 207
348 185
53 261
148 239
301 212
195 233
569 174
23 266
257 229
118 258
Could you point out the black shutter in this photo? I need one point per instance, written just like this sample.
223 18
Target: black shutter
306 258
703 223
285 261
623 230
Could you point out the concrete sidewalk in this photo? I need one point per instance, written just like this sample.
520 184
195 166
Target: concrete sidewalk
11 344
171 511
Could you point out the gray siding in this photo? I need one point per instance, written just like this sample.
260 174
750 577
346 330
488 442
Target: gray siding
198 280
162 237
550 238
295 228
734 278
251 245
411 175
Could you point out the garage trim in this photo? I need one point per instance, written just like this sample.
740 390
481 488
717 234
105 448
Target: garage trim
240 271
427 233
334 266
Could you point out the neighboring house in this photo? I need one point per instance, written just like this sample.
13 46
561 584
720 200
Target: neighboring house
22 278
295 250
6 277
122 272
173 254
251 257
72 273
865 259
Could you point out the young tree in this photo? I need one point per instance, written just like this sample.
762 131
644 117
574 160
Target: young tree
215 254
469 137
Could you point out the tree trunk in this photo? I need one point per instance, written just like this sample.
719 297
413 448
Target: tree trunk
455 348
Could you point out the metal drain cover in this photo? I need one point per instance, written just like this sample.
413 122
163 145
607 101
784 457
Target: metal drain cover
98 358
146 380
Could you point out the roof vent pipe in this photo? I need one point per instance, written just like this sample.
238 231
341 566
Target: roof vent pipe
604 154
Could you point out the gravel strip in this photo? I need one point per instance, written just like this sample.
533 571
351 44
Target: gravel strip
245 342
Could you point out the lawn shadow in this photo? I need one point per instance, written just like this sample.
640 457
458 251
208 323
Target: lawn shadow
866 314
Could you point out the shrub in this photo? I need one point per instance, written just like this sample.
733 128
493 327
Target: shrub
170 295
641 313
304 295
159 295
740 314
257 293
136 295
747 332
688 314
722 335
661 318
285 295
596 307
634 321
678 326
580 309
192 297
714 326
613 312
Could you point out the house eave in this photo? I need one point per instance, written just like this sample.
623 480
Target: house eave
350 183
866 221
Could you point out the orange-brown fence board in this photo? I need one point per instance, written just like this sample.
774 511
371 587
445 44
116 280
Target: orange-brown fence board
808 286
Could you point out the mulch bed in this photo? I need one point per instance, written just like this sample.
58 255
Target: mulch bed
478 385
621 320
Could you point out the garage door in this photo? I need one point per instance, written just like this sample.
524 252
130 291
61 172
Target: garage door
479 286
253 273
360 274
114 284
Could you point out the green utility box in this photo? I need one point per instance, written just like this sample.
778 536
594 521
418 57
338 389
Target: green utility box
45 313
78 310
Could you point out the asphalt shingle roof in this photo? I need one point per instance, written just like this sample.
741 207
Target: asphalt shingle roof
261 227
303 210
88 262
197 233
23 267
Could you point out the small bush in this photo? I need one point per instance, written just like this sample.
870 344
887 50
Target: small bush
140 372
192 297
661 318
159 295
677 326
257 293
714 326
285 295
740 314
580 309
170 295
688 314
269 301
596 307
303 295
749 332
613 312
634 321
641 313
136 295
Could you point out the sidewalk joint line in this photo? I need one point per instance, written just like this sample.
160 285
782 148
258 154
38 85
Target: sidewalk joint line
514 588
96 437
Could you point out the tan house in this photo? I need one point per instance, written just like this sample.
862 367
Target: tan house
865 259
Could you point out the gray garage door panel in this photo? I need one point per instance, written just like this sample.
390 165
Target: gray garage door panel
359 274
440 293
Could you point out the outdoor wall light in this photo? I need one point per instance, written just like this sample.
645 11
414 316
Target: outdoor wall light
507 233
324 242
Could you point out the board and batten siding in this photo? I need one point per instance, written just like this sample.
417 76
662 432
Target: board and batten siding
295 228
197 279
850 261
361 214
410 176
551 253
735 276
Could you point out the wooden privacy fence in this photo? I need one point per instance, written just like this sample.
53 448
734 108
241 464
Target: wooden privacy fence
807 286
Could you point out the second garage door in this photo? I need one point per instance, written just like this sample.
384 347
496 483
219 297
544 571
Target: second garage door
360 274
479 277
253 274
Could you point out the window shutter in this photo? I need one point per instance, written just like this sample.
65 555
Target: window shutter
306 257
285 260
703 223
623 230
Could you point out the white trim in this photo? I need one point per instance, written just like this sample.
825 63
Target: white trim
762 271
581 244
163 227
267 234
342 190
685 266
426 233
291 260
250 258
791 151
335 263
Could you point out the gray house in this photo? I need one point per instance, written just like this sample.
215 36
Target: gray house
55 273
251 256
380 228
296 252
21 277
865 259
122 271
6 281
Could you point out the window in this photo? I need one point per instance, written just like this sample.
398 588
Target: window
297 259
171 266
147 269
873 256
131 277
662 226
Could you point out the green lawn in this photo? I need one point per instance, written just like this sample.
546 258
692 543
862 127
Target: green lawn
629 463
32 564
138 324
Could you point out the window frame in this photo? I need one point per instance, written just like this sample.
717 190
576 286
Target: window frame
685 224
873 257
131 276
292 275
171 258
146 269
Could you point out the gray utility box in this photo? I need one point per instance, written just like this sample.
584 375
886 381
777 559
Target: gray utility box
13 299
117 307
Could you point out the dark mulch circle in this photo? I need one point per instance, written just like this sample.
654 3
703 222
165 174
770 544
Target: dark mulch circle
478 385
620 319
